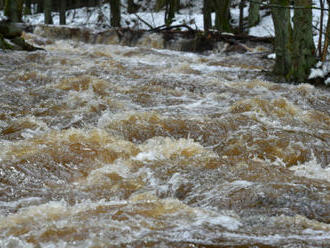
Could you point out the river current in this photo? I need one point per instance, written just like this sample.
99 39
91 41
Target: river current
114 146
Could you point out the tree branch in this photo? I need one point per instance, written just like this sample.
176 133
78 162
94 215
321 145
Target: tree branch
286 7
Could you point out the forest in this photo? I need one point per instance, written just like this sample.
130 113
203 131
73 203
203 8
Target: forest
294 45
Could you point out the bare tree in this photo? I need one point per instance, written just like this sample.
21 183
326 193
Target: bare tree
115 15
27 7
207 10
12 10
294 45
222 18
132 7
48 11
62 12
254 16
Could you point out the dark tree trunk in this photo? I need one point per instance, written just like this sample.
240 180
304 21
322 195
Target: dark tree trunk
170 11
12 11
303 52
159 4
326 39
222 19
294 47
254 17
115 15
132 7
241 16
319 44
27 7
207 10
40 6
92 3
62 12
48 11
283 37
77 4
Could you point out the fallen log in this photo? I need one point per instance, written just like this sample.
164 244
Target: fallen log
240 37
211 34
163 28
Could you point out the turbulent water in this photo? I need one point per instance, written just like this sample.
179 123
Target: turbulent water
112 146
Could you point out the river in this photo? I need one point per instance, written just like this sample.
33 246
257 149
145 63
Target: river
116 146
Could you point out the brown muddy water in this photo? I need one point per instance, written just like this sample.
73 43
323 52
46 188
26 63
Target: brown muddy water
113 146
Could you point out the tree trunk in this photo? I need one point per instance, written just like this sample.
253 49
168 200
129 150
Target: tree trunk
27 7
319 44
115 13
40 6
159 5
222 19
170 11
48 11
207 10
294 47
62 12
326 38
12 11
77 4
303 53
241 16
132 7
283 34
254 17
92 3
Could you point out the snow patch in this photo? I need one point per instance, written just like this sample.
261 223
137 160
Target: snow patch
315 73
265 28
327 82
271 56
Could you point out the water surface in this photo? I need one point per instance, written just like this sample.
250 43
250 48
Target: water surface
112 146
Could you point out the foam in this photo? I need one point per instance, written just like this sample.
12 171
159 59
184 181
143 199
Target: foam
312 169
166 148
214 219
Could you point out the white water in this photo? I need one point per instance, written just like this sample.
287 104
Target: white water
107 145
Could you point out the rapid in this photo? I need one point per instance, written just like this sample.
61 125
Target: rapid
116 146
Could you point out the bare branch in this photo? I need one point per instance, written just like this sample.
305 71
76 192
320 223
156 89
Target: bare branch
286 7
